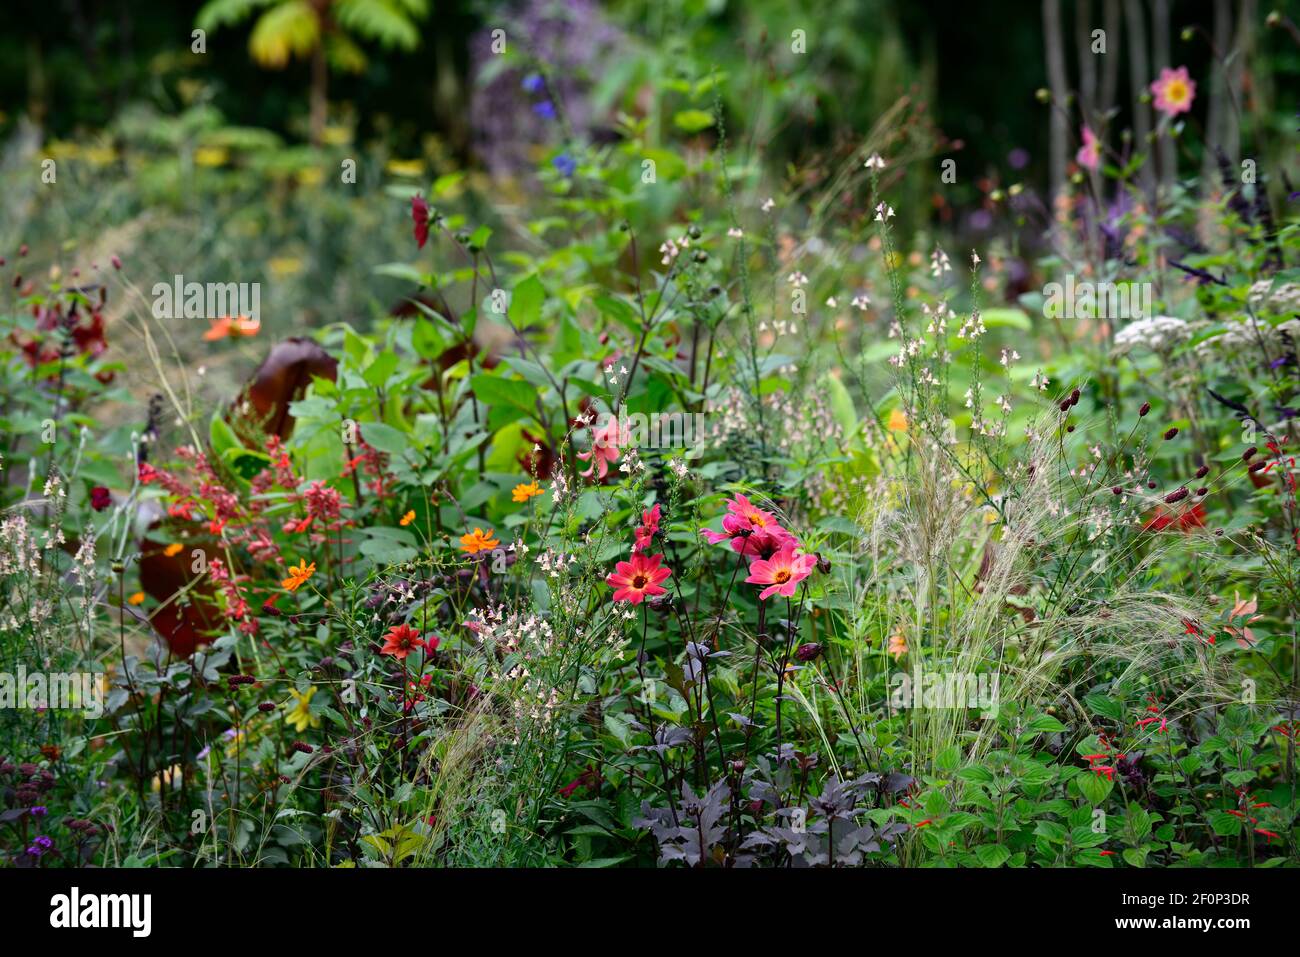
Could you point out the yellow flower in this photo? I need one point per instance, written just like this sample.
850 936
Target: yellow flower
211 156
476 541
311 176
897 421
171 778
136 599
298 574
523 493
300 716
408 518
284 265
173 549
400 167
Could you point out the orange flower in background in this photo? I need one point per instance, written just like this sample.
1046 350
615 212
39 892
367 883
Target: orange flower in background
298 574
136 599
897 421
522 493
173 549
408 518
897 645
232 327
476 541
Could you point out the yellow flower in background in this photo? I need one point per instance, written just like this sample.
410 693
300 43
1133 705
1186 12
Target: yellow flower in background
136 599
476 541
336 135
311 176
173 549
298 575
523 493
399 167
100 155
300 715
897 421
170 778
284 265
408 518
211 156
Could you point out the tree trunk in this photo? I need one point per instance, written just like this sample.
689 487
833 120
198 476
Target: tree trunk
1168 151
1110 64
1083 28
1057 84
1139 81
319 91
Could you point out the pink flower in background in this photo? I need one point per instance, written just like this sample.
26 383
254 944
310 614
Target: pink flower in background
781 573
1089 155
1174 91
604 449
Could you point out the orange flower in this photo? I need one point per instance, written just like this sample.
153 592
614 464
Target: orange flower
400 640
298 574
897 644
408 518
173 549
228 327
476 541
136 599
523 493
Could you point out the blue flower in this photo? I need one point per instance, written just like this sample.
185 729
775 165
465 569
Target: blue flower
565 164
545 109
533 83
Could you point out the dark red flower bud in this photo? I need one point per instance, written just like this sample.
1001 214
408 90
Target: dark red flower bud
1247 455
302 747
100 498
1176 496
1203 471
1146 407
1116 490
1170 434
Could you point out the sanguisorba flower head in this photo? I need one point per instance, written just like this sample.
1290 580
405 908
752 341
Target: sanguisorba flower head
1174 91
636 580
781 573
478 541
298 575
400 641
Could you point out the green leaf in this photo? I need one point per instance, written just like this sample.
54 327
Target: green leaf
385 438
495 390
1225 824
526 302
992 855
693 121
1043 724
1094 787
